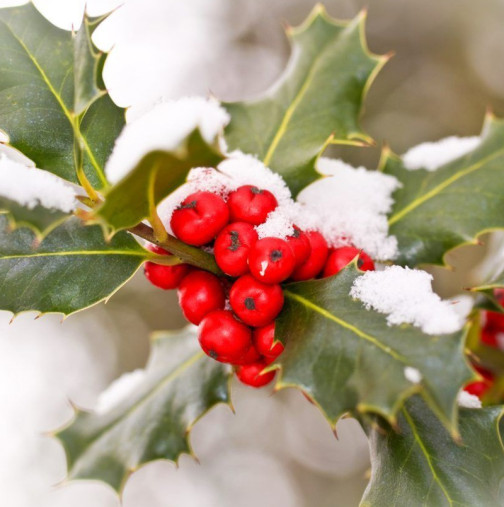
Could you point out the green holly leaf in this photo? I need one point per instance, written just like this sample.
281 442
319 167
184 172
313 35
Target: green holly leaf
71 269
53 104
316 102
39 219
422 465
435 212
488 290
347 359
156 176
154 422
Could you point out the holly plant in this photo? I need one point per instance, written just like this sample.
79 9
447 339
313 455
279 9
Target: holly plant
203 211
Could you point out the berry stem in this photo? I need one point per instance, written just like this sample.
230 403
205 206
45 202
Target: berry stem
189 254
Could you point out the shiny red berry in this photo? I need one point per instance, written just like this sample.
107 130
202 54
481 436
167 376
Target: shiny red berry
232 246
341 257
254 302
250 374
199 294
478 388
300 246
264 341
251 204
199 218
271 260
316 261
164 277
223 337
252 356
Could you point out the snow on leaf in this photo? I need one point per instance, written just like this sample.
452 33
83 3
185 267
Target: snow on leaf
179 385
406 297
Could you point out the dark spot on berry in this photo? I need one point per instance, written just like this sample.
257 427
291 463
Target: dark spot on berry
297 233
189 205
212 354
235 241
360 262
249 304
256 190
276 255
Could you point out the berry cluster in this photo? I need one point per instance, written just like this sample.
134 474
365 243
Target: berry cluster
492 335
236 313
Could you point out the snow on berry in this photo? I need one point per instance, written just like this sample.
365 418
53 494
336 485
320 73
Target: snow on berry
431 156
406 296
352 205
164 127
467 400
30 186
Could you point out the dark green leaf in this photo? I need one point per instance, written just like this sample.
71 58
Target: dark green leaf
348 359
71 269
51 93
316 102
421 465
437 211
154 421
39 219
157 175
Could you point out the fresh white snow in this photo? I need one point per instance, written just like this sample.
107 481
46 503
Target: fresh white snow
406 296
164 127
351 205
468 400
412 374
432 155
29 186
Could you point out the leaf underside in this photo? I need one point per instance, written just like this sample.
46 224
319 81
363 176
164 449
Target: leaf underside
347 359
52 94
71 269
437 211
420 465
157 175
154 421
316 101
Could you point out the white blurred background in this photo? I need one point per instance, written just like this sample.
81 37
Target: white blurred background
275 450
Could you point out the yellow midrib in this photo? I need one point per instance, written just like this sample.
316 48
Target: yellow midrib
346 325
439 188
69 115
419 442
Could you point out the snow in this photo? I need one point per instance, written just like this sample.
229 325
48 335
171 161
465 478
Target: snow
351 204
432 155
406 296
119 390
468 400
412 374
30 187
164 127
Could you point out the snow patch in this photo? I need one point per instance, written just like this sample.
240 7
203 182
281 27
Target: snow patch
413 375
164 127
432 155
29 186
406 296
119 390
468 400
351 205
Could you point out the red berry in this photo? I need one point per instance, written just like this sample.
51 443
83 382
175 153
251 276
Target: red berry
250 374
300 246
232 247
164 277
223 337
264 341
199 218
199 294
341 257
271 260
251 356
254 302
251 204
493 321
478 388
316 261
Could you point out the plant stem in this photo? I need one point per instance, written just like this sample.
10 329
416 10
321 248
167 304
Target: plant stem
189 254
